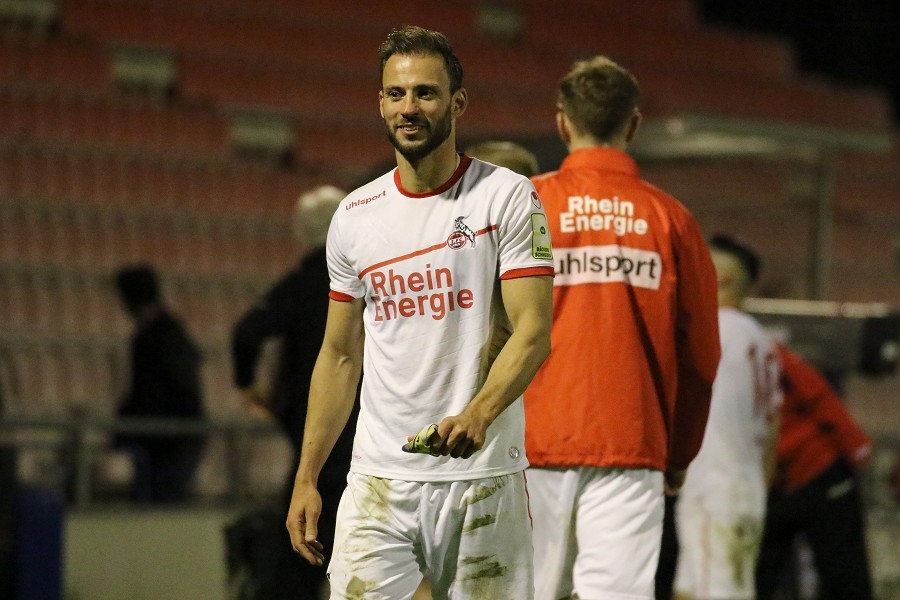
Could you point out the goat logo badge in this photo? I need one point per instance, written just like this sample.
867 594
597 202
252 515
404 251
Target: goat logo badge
461 233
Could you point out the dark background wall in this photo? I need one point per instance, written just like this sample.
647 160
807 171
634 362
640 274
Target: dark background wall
856 41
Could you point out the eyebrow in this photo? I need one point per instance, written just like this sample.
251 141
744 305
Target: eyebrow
418 88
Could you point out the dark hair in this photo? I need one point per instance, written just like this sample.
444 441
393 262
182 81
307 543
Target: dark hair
138 286
748 258
418 41
598 96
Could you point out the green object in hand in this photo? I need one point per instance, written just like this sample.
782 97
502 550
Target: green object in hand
421 443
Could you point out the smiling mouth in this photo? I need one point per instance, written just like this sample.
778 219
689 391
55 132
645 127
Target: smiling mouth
410 128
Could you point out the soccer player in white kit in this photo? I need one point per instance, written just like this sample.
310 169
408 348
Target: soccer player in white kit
441 278
721 508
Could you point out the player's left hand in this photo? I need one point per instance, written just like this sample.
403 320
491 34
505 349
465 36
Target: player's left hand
460 436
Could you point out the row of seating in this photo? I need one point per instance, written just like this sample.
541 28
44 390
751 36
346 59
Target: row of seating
64 92
111 177
509 93
76 302
487 66
456 19
70 307
42 375
308 35
39 374
774 206
86 215
867 185
60 62
698 69
107 241
43 112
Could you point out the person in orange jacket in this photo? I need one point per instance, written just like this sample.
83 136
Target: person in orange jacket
618 410
816 490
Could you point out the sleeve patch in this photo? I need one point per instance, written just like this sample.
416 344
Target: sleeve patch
540 237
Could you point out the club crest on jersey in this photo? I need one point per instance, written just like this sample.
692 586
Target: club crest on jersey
462 233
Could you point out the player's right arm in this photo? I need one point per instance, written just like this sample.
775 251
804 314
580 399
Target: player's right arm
331 396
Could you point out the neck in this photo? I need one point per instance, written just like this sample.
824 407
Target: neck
576 139
583 142
429 172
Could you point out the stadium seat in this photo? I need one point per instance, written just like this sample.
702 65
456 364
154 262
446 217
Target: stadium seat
61 62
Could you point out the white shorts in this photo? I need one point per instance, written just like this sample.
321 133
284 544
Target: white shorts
717 552
470 539
597 532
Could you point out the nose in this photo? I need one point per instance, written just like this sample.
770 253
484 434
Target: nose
410 105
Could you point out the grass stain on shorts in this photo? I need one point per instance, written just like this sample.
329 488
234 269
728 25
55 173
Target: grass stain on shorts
478 522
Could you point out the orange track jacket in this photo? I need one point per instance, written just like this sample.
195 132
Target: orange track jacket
635 327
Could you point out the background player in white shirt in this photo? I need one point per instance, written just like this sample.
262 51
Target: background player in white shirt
441 279
720 512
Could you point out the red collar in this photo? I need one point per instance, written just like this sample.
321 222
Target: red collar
464 162
600 159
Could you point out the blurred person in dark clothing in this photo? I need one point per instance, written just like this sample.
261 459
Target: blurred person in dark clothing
294 312
165 383
816 490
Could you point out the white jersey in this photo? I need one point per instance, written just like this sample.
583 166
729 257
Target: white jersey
727 474
428 266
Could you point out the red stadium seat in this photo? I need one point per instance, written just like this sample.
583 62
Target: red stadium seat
62 63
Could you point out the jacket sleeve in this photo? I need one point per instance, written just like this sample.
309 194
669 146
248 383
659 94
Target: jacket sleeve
697 344
826 408
267 318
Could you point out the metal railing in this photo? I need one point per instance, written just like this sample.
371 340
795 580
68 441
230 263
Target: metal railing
80 440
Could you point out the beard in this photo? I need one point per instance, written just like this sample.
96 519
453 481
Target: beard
419 149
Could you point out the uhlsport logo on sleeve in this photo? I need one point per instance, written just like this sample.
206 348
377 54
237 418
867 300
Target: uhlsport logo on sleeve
607 264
